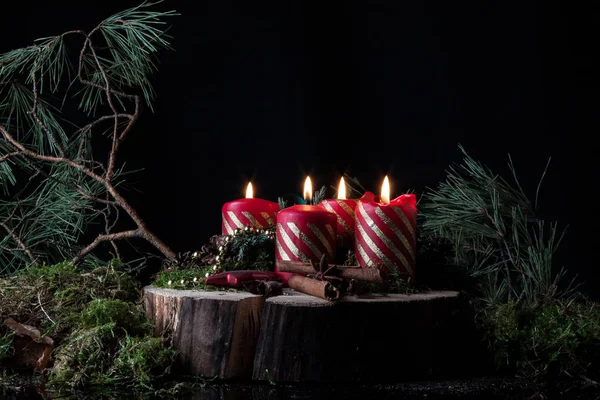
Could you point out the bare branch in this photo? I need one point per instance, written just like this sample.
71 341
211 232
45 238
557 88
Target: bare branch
7 156
106 238
144 232
115 139
90 67
19 242
132 119
41 157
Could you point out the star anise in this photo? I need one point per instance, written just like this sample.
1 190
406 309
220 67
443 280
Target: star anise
324 272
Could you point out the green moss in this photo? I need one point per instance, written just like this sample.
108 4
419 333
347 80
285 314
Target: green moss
143 358
545 340
84 356
124 315
94 317
112 343
6 344
189 278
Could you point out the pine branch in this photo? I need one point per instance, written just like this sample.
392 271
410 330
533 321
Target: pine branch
495 231
115 62
320 195
355 186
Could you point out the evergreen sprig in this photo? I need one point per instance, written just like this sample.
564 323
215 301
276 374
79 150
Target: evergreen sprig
356 189
54 186
495 232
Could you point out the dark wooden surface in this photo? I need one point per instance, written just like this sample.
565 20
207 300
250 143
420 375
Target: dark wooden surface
299 338
214 332
358 339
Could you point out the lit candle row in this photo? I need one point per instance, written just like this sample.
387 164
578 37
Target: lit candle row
383 230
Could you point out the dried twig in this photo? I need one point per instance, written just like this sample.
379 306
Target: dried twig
42 308
103 174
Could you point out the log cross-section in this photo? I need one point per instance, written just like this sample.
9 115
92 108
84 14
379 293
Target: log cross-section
214 332
295 337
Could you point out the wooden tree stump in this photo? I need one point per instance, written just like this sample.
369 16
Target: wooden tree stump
358 339
215 332
299 338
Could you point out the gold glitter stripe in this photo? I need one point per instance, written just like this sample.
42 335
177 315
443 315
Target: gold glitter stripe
373 246
315 230
361 252
340 220
234 218
386 240
347 208
305 239
252 220
268 217
328 207
227 227
394 227
330 230
288 242
282 253
400 213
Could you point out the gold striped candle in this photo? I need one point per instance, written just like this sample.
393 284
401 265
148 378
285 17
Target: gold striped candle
386 233
304 233
257 213
344 212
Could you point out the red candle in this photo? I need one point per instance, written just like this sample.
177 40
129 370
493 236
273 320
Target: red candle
257 213
386 232
343 208
304 233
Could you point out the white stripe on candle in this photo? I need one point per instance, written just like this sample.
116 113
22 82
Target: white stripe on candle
290 245
227 227
235 219
305 239
317 232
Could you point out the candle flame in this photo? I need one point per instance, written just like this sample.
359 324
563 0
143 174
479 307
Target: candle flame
249 191
385 191
307 190
342 189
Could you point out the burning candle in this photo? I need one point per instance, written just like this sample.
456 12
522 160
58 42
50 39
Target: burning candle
344 209
386 231
304 233
250 211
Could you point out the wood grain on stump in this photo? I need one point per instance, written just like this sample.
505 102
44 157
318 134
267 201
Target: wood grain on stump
299 338
358 339
214 332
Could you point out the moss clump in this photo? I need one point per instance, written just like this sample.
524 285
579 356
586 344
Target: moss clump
50 297
545 340
112 343
101 333
142 358
125 315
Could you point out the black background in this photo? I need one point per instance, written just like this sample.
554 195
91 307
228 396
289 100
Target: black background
274 90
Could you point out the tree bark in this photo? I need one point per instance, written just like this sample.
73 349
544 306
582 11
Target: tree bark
214 332
295 337
370 339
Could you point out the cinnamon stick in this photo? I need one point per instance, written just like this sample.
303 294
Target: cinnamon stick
314 287
374 275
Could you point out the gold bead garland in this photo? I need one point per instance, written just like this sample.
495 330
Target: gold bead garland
248 230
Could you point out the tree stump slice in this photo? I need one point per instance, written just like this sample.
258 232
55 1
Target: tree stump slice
300 338
376 338
214 332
